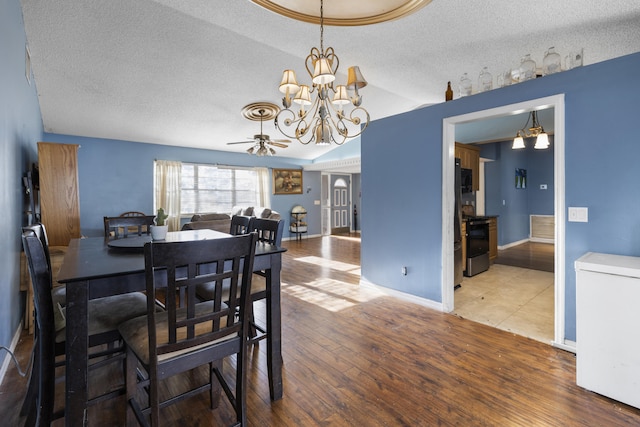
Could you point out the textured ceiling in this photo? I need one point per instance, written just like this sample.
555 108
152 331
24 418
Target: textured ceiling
180 72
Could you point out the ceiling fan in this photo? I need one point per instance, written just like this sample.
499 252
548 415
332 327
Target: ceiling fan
262 143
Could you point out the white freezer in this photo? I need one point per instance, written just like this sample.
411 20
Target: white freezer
608 326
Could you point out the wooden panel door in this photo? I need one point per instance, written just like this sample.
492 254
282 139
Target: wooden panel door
340 204
59 193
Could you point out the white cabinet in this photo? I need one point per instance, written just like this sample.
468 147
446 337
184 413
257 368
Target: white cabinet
607 320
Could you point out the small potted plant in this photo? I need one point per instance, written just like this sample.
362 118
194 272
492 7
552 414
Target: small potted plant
159 231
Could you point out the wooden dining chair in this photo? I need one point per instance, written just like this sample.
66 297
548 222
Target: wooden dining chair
183 338
117 227
240 225
58 296
104 316
133 213
268 231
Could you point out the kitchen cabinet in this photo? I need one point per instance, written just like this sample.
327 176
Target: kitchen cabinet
469 156
493 238
463 231
59 192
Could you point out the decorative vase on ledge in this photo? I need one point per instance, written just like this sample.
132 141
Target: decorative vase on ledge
159 232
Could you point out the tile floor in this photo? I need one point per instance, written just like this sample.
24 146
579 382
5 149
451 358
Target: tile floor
509 298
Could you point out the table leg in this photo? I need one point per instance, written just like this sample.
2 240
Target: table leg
274 328
77 343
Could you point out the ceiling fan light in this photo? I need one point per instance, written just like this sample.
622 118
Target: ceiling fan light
322 72
303 97
250 150
289 83
518 143
272 152
542 141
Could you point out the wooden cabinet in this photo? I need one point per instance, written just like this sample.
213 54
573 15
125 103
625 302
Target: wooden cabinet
59 192
463 231
493 239
469 156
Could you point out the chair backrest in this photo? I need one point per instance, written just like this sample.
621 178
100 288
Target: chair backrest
240 225
40 231
121 226
133 213
269 230
40 272
184 266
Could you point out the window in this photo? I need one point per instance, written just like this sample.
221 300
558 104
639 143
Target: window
209 188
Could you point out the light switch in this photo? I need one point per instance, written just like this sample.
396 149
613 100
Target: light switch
543 186
316 202
578 214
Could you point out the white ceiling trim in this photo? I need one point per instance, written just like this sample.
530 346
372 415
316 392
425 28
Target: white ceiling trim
351 165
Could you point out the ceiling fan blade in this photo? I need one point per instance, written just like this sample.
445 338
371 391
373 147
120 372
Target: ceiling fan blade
241 142
277 144
285 141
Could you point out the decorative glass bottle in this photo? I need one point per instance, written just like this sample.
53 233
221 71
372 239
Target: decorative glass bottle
551 63
527 68
465 85
485 80
448 94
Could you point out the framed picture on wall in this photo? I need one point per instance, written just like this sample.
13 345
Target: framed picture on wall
287 181
521 178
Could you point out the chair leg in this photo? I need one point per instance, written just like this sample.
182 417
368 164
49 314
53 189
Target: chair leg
28 404
252 323
241 385
216 389
130 381
154 399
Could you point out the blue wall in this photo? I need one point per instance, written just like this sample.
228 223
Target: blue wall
518 203
403 221
20 129
117 176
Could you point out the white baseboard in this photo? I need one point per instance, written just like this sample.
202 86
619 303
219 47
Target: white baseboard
402 295
569 346
304 236
512 244
7 356
541 240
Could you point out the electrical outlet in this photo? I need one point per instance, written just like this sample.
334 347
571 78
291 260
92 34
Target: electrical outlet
404 271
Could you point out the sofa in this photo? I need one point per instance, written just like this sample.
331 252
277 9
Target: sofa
222 221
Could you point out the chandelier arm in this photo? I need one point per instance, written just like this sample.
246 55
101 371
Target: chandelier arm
298 123
359 116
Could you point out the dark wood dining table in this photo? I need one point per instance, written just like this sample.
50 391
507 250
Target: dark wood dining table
95 267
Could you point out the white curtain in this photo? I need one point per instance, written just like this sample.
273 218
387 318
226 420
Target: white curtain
167 191
263 187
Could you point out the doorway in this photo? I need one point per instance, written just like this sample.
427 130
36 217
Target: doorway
556 102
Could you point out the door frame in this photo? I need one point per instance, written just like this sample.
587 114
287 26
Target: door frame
448 154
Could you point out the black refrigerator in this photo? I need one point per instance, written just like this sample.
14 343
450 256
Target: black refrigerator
457 228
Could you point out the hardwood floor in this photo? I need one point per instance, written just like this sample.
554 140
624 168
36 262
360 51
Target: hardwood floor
355 357
531 255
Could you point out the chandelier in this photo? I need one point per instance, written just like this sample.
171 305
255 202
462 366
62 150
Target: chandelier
536 130
323 120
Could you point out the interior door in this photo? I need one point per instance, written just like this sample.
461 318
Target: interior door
340 204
